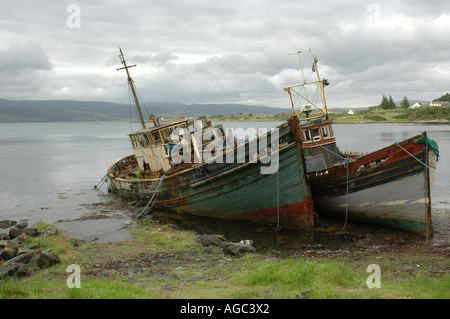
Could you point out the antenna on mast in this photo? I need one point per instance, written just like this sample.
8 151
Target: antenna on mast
300 60
321 83
131 84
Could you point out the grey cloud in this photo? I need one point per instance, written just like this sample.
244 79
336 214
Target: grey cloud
24 69
158 60
29 55
240 49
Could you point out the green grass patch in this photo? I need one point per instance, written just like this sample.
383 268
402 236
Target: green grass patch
164 237
288 277
44 287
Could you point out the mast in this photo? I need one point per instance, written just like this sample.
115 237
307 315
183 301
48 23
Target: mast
321 83
131 84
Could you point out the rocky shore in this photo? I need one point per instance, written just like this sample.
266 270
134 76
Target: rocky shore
18 260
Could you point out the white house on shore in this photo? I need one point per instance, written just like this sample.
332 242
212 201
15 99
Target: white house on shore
440 103
416 105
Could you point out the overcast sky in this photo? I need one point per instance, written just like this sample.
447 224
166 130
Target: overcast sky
228 51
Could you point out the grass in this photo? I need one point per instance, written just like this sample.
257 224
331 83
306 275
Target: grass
289 277
206 273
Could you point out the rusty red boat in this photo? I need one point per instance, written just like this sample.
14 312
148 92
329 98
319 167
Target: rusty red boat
390 187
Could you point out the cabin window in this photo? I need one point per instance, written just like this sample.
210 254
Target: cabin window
150 139
156 138
315 134
146 140
307 135
143 141
331 131
325 132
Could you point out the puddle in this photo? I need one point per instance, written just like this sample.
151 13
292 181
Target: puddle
101 221
102 230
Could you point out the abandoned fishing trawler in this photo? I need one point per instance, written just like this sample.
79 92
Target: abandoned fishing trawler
389 187
192 167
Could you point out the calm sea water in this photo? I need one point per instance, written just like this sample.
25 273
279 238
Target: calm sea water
47 170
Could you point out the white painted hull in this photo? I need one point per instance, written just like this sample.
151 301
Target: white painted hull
403 202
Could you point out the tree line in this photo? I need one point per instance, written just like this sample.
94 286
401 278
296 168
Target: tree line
388 103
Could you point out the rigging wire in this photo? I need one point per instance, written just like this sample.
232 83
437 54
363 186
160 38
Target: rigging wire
142 101
129 106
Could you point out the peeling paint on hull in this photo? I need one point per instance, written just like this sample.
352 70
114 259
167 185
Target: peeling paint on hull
387 187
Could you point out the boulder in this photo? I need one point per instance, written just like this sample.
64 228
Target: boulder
23 250
50 231
3 243
23 261
30 257
31 232
13 244
14 232
24 270
20 239
304 294
7 223
48 259
4 236
210 240
7 254
230 248
22 225
8 270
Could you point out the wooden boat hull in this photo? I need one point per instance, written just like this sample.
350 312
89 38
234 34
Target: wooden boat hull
235 191
388 187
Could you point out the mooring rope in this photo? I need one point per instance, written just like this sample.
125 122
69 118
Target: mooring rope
151 200
346 198
102 181
433 168
140 214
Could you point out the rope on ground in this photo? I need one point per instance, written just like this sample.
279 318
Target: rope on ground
17 257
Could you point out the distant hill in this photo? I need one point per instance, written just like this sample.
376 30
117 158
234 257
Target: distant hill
69 110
